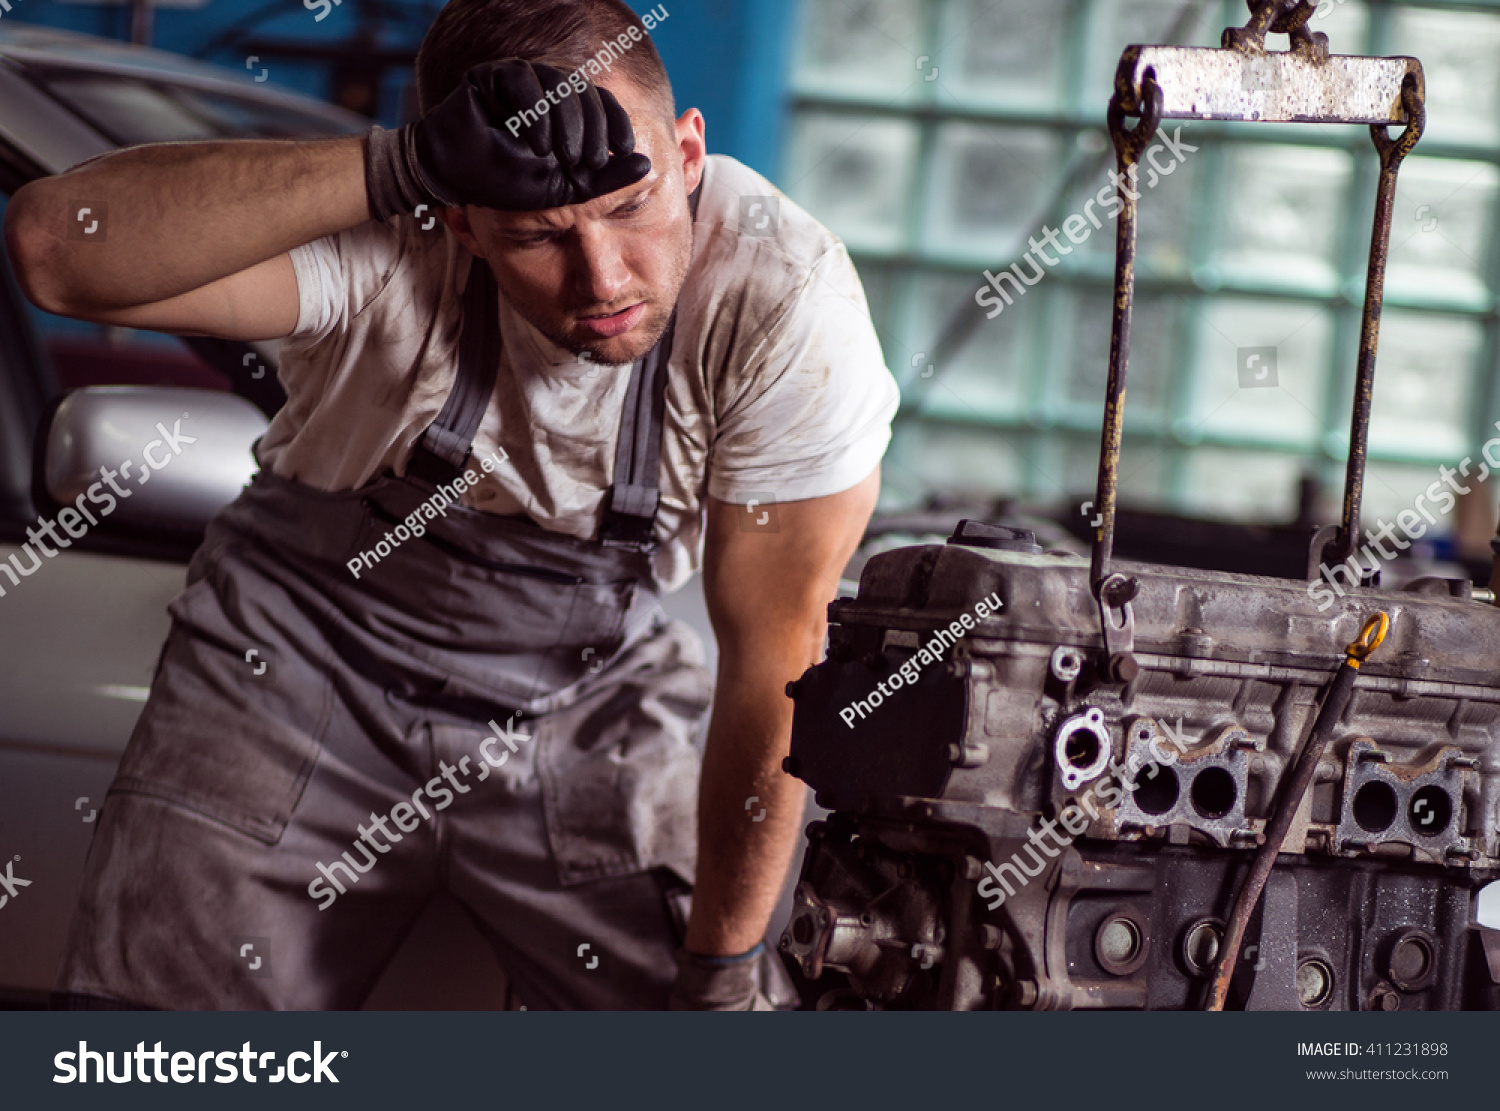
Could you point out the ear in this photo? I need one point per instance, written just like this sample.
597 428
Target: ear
457 220
690 144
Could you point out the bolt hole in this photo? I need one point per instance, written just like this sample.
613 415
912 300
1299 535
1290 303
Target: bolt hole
1214 793
1374 806
1066 665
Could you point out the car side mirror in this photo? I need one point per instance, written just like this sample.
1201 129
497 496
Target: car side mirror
144 460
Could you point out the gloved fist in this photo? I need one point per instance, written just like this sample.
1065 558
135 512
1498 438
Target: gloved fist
719 983
487 145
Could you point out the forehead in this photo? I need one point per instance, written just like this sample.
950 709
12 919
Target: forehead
653 128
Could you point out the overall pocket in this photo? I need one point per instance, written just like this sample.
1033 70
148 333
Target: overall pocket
239 703
619 768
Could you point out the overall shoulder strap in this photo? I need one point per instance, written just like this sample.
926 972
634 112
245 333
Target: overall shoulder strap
443 451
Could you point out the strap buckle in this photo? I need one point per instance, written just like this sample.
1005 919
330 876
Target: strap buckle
630 517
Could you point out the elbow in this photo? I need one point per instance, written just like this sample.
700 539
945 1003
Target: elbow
37 256
777 643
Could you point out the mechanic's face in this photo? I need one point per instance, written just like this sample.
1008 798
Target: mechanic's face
601 279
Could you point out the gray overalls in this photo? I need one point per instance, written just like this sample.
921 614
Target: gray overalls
286 780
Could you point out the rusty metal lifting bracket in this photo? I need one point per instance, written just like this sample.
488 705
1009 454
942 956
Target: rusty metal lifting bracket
1242 81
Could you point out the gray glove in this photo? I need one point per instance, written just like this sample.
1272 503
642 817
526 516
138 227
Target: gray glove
478 148
719 983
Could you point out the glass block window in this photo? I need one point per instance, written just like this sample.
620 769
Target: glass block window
939 138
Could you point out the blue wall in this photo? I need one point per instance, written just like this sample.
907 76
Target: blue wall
729 58
726 57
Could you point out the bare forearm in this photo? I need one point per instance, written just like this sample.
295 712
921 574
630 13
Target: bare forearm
178 216
744 846
767 595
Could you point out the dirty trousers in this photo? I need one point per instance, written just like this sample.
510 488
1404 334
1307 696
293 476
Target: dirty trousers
316 760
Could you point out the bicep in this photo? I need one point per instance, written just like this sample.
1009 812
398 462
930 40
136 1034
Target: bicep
767 582
257 303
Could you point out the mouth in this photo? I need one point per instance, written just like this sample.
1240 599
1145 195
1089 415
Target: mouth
610 325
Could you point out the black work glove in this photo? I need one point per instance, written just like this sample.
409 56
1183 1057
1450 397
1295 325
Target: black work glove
719 983
476 148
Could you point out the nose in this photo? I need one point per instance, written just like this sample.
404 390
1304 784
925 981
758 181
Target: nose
600 273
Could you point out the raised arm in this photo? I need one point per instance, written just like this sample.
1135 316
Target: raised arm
194 236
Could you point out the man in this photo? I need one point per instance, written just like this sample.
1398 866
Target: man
506 433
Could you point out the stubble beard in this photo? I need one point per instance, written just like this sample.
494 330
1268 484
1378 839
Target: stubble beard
608 351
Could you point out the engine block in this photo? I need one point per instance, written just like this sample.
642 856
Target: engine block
947 877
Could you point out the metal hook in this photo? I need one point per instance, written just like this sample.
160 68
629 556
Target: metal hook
1369 639
1129 143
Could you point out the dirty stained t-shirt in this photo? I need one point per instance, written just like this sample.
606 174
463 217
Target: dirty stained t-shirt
777 390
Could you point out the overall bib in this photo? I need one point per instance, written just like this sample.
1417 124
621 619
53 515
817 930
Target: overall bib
285 786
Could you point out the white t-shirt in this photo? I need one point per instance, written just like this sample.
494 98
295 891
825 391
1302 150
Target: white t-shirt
777 388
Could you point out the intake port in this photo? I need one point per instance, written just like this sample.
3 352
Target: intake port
1374 806
1430 811
1082 748
1156 794
1214 793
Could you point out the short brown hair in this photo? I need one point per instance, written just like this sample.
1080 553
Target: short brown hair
561 33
